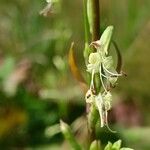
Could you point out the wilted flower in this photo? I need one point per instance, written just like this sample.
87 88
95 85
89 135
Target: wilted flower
89 97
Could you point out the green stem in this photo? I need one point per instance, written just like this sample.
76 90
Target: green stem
95 20
92 119
95 26
92 116
86 24
87 50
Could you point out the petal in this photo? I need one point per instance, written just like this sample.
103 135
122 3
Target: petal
108 62
89 97
106 38
100 106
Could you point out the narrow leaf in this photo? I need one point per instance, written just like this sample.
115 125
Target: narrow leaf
117 145
119 57
125 148
106 38
95 145
69 135
108 146
75 71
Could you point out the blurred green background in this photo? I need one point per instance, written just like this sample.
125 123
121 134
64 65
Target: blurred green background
36 85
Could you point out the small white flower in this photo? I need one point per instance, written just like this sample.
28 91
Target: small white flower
103 105
94 62
101 108
100 62
94 58
107 100
48 9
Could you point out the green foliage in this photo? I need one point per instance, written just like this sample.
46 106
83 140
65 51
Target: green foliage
7 67
108 146
95 145
69 136
115 146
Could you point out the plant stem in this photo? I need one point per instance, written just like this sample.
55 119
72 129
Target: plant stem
86 24
95 36
95 26
92 119
95 20
87 50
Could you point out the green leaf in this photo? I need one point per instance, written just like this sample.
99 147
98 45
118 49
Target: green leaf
108 146
69 135
125 148
102 45
7 67
117 145
86 52
95 145
52 130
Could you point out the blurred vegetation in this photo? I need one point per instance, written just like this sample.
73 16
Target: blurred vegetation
37 88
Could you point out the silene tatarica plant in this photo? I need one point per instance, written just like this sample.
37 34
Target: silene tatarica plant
103 74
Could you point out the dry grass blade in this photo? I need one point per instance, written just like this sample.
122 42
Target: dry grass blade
75 71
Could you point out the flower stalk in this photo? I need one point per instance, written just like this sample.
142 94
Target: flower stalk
101 63
95 20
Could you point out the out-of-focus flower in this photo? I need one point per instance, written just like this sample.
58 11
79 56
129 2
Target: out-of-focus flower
49 8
